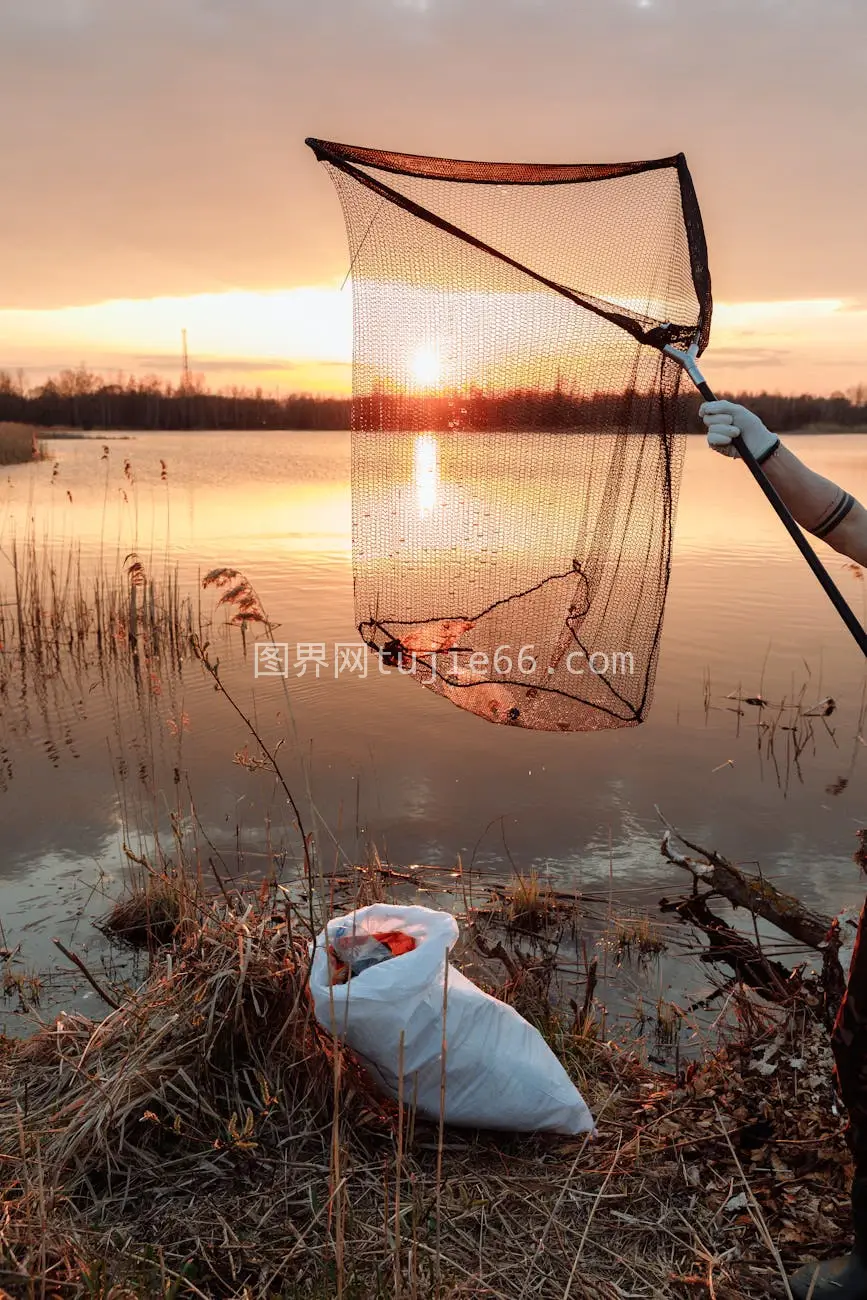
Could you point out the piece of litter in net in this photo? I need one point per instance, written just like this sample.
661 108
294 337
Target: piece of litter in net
488 699
436 637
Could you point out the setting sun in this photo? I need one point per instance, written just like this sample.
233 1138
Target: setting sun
426 367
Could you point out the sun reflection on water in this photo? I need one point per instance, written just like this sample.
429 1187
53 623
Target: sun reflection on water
426 475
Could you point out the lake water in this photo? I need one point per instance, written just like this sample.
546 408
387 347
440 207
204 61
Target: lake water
86 764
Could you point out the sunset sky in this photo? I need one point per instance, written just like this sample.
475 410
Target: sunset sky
156 177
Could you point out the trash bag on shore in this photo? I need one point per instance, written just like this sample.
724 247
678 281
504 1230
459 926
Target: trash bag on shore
499 1071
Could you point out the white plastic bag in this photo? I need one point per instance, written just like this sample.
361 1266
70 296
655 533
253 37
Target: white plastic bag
500 1072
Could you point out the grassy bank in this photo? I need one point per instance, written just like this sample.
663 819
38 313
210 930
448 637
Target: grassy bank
18 443
208 1139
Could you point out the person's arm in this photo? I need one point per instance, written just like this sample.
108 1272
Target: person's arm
819 506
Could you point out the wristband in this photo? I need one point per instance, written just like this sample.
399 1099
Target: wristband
766 455
838 512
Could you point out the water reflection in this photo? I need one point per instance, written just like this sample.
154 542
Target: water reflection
426 473
92 761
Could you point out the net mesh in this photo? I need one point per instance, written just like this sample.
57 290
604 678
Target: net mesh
517 440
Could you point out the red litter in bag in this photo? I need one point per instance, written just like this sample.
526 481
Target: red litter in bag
353 952
398 943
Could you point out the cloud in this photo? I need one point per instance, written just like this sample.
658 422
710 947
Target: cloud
166 362
746 356
156 148
858 365
52 17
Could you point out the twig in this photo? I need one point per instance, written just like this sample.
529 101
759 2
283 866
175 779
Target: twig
76 961
497 951
593 1208
200 652
757 1217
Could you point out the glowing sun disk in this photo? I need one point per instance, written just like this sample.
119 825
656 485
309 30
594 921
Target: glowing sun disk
426 366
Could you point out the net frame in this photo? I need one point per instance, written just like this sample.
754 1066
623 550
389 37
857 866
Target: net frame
350 158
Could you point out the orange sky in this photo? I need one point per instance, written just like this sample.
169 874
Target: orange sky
156 177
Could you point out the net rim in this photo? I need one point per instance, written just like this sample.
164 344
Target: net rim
429 167
348 158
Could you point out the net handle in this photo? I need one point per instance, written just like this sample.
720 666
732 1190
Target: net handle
687 359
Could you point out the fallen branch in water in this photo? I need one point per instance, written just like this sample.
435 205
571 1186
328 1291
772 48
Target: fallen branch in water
760 899
749 964
497 952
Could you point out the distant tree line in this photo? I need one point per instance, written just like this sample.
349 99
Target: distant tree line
784 413
80 399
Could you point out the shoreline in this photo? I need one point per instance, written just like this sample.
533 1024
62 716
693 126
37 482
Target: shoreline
121 435
209 1096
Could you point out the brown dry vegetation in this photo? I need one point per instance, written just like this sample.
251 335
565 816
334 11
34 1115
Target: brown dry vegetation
60 619
17 443
206 1139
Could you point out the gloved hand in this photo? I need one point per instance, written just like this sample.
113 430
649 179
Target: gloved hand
726 420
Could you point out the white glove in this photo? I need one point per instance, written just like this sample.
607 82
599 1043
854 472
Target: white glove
727 420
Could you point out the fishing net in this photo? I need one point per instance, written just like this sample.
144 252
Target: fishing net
517 431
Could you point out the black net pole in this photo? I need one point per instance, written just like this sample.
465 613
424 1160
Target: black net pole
830 587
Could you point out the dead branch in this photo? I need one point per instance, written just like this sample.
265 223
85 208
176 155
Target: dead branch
770 978
758 896
584 1016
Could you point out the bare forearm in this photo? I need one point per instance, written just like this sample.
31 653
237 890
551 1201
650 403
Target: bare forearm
819 506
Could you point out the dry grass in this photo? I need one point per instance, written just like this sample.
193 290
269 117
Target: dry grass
669 1020
205 1139
58 618
789 728
530 901
18 443
160 906
637 936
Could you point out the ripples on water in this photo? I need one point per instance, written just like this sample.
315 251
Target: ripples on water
93 755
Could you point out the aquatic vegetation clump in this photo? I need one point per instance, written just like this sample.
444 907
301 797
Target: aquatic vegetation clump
19 443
